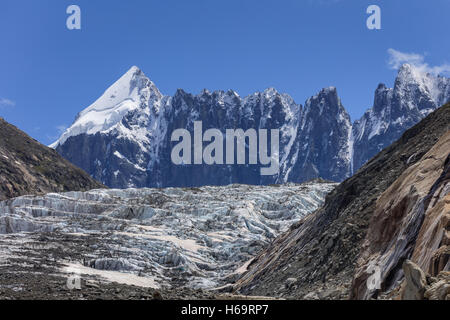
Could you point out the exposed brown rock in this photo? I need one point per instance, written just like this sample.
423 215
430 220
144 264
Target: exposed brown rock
415 280
440 288
432 249
28 167
408 217
417 285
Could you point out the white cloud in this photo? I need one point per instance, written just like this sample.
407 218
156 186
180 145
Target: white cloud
61 129
397 58
6 102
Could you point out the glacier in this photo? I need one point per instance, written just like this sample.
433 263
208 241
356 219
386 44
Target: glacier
174 237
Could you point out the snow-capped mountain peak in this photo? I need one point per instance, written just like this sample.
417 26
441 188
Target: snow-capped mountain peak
416 93
412 80
132 91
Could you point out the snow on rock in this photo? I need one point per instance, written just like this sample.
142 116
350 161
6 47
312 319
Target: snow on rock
125 95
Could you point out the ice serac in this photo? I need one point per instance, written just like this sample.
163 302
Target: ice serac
124 138
414 96
195 237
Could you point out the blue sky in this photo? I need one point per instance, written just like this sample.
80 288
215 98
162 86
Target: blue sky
49 73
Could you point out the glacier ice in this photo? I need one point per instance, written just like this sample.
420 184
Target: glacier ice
196 237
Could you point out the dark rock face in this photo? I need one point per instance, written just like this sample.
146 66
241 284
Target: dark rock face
95 153
321 251
132 147
321 144
409 222
120 161
28 167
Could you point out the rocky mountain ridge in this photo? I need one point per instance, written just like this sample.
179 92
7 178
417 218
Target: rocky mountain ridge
125 136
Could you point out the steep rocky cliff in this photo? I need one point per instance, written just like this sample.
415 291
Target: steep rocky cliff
415 94
318 257
28 167
411 221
